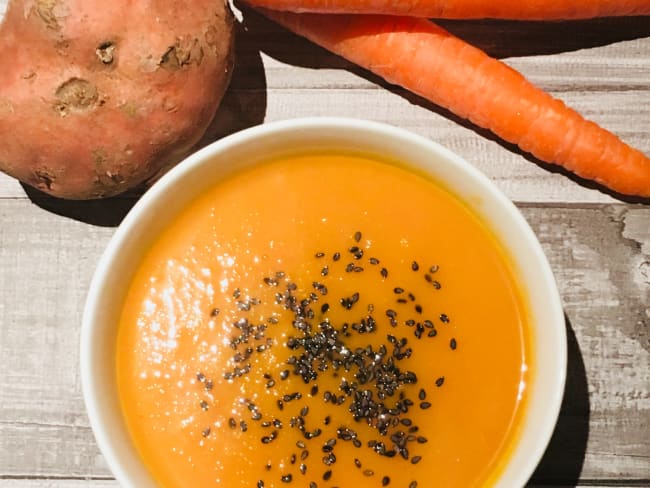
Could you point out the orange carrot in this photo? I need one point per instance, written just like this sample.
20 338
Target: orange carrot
431 62
469 9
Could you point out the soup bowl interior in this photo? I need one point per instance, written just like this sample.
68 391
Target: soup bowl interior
206 168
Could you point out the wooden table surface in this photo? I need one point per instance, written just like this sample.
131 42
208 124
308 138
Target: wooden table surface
598 244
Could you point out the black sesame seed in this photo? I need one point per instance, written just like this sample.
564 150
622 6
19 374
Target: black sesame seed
260 484
373 261
418 308
320 254
284 374
368 472
206 432
385 481
324 271
452 344
303 468
384 273
270 281
415 266
336 256
313 485
329 459
413 484
398 290
422 440
314 390
232 423
327 475
416 459
243 426
444 318
357 236
440 381
425 405
286 478
200 376
204 405
422 394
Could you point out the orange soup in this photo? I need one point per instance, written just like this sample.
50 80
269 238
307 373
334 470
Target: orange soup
324 320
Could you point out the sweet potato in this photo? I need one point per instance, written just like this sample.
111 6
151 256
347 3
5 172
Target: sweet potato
96 98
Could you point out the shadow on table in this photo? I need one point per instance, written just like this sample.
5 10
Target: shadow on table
565 455
243 106
508 38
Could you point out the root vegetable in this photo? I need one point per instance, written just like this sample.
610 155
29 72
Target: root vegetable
97 98
429 61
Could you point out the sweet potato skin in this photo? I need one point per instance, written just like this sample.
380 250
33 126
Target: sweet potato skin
96 98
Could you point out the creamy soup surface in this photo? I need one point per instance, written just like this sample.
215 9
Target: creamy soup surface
324 320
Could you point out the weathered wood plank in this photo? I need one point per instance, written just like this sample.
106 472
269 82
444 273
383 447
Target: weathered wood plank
599 255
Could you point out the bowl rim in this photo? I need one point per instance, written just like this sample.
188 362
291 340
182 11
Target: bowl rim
91 392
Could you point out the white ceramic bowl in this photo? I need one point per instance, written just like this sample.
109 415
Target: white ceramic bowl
207 167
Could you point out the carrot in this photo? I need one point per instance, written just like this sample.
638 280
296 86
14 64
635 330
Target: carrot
469 9
431 62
